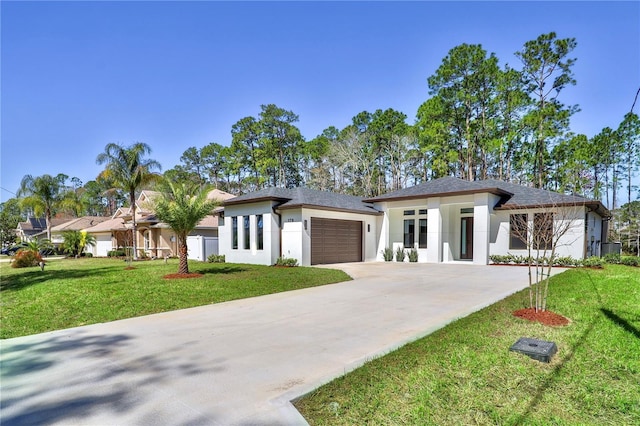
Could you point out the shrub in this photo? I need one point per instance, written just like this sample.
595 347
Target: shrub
26 258
216 258
387 254
116 253
413 255
400 254
593 262
286 261
630 261
87 254
565 261
613 258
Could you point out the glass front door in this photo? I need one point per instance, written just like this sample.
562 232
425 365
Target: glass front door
466 238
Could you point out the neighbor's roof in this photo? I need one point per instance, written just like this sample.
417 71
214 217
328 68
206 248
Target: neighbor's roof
35 225
79 223
115 224
304 197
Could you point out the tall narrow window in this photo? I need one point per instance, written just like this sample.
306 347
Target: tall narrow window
543 231
518 234
247 233
259 232
409 232
234 232
422 239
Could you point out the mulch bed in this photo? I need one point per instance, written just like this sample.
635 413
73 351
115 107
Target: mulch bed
174 276
544 317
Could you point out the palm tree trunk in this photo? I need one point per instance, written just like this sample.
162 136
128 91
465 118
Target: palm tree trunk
183 268
134 231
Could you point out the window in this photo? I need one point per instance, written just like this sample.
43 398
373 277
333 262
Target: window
468 210
422 211
542 231
234 232
247 233
260 231
422 238
518 234
409 212
409 232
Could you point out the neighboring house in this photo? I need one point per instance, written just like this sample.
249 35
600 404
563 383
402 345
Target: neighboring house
446 220
154 238
77 224
36 228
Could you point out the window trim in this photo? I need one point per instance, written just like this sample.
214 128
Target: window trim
234 233
409 236
260 232
513 238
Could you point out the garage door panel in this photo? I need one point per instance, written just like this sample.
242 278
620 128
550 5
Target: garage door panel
335 241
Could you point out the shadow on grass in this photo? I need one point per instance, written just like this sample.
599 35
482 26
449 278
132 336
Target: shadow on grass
36 276
221 270
621 322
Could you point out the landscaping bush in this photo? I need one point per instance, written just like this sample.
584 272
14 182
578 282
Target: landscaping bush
413 255
216 258
286 261
612 258
26 258
593 262
630 261
116 253
400 254
387 254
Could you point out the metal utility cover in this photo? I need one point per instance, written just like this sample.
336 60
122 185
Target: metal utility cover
540 350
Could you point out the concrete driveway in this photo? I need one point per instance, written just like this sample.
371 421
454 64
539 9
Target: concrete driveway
240 362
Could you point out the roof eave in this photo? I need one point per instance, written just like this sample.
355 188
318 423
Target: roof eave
334 209
495 191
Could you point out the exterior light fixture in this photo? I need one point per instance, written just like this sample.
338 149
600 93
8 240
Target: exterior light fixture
305 224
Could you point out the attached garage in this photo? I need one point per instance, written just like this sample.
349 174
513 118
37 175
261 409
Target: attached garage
335 241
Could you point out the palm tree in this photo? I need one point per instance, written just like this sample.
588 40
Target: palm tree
127 168
43 194
182 208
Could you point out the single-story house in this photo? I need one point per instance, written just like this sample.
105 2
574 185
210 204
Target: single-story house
154 238
76 224
445 220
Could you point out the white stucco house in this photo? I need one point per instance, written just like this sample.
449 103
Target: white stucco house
445 220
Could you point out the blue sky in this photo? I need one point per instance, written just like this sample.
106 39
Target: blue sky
78 75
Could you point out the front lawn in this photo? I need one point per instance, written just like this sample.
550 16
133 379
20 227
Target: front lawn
465 374
74 292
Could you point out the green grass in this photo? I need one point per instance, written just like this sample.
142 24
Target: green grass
74 292
465 374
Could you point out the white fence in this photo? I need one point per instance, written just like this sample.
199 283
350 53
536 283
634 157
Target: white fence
199 247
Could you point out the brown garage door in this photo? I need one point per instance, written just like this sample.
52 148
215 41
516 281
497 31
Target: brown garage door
335 241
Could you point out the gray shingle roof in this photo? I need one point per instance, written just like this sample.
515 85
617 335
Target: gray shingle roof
513 196
305 197
445 186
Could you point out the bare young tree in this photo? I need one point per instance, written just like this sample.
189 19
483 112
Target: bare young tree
542 233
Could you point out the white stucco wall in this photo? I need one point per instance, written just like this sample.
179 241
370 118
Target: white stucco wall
572 243
271 234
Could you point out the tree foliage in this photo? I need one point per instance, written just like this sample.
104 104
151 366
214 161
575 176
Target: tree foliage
182 206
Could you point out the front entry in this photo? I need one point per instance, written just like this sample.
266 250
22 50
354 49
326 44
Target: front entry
466 238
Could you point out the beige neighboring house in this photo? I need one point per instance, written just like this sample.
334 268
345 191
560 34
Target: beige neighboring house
154 238
77 224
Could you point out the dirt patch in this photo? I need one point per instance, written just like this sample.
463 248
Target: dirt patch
544 317
180 276
129 268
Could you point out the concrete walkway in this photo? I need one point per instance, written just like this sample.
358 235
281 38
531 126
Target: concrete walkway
240 362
